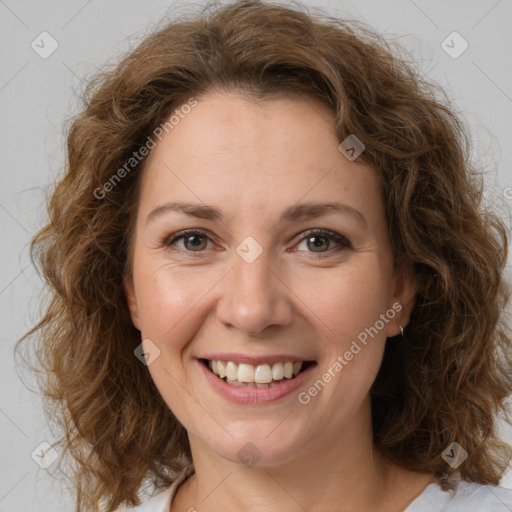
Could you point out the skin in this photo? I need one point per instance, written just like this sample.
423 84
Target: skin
253 160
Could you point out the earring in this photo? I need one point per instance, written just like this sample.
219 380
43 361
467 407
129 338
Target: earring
402 329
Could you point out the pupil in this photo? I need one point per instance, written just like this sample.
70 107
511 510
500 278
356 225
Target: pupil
197 242
319 243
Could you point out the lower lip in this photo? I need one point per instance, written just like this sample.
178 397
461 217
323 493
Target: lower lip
243 395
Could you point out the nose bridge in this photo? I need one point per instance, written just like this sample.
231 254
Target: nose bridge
253 273
253 298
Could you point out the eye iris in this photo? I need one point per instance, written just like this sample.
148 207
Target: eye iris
195 244
318 244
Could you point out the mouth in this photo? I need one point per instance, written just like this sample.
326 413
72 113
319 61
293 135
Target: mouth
264 375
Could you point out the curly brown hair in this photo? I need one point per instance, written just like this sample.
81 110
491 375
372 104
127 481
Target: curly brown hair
447 382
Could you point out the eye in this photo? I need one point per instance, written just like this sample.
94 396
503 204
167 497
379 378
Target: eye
193 240
320 241
317 241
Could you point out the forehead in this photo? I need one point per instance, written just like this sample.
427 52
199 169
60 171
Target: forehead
240 155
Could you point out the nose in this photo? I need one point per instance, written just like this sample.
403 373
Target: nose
254 297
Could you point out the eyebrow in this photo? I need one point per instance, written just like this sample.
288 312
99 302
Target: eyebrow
292 214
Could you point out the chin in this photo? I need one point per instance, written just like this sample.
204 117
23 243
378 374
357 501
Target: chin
258 449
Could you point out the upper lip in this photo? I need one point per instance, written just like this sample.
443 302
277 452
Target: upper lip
255 360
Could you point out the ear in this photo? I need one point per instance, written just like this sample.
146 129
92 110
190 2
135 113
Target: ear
402 302
131 300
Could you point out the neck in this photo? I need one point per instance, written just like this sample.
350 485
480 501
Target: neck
342 470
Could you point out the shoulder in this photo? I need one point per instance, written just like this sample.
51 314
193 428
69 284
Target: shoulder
162 501
477 497
467 497
159 503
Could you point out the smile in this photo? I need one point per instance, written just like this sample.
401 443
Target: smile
261 376
239 381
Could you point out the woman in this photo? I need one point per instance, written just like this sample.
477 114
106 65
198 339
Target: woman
274 284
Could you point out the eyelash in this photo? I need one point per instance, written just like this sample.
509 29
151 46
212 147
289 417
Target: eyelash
343 243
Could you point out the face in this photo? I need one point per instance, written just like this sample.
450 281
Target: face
264 275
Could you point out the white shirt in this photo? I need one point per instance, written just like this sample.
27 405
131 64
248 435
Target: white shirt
468 497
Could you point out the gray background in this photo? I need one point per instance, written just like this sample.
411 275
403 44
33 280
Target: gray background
37 95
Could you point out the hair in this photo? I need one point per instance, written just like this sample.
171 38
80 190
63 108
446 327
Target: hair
447 381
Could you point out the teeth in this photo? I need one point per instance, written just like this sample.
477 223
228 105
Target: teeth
221 369
245 372
231 371
241 384
277 371
250 384
261 376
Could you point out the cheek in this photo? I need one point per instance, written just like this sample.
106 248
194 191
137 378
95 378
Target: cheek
346 301
170 303
167 298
